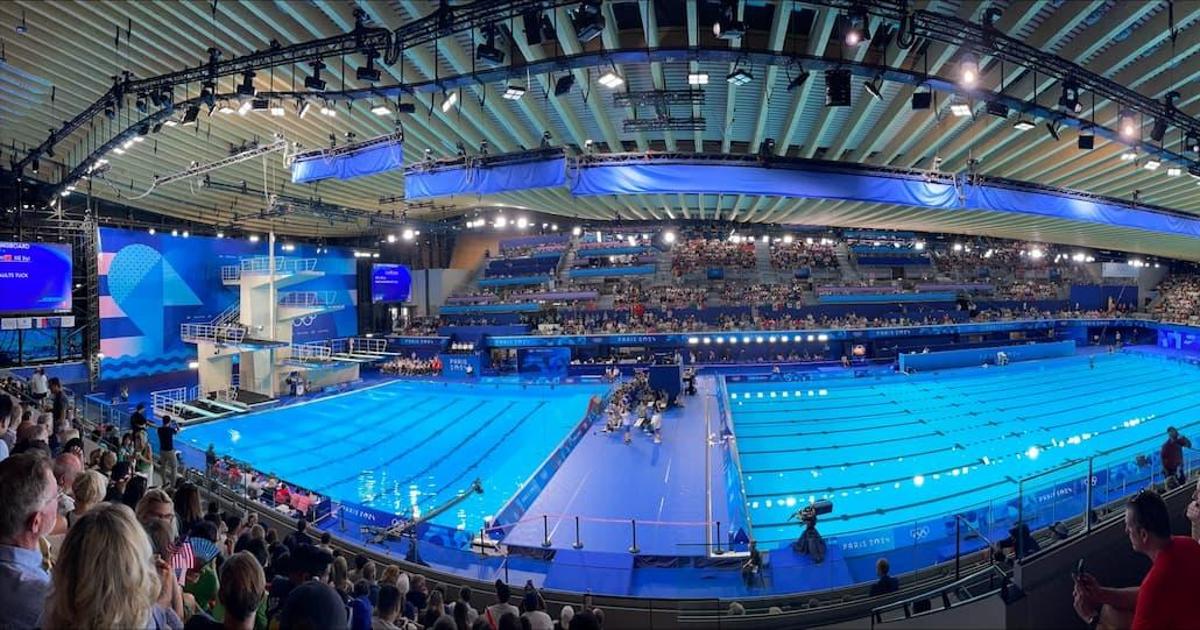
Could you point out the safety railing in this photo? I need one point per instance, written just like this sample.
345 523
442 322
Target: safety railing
231 273
258 265
223 334
308 298
310 352
229 315
368 345
171 401
983 583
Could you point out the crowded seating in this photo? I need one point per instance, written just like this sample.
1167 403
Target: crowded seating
702 253
1179 299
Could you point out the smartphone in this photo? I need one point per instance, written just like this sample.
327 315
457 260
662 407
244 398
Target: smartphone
1078 569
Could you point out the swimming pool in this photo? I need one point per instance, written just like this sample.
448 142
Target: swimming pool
405 447
897 449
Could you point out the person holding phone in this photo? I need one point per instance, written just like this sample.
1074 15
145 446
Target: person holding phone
1166 597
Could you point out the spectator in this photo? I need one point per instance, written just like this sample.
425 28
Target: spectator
243 585
134 490
585 620
418 593
27 513
137 419
360 606
143 455
464 602
1172 455
564 618
298 537
106 577
89 490
39 386
1166 597
168 458
509 621
493 613
313 605
387 610
187 506
434 610
58 400
736 609
1193 511
535 611
297 568
886 583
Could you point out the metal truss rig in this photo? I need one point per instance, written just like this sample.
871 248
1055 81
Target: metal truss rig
445 20
200 169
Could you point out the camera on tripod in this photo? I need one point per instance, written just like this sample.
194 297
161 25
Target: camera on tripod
809 514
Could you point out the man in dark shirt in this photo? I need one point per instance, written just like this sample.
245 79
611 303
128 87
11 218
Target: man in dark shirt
137 419
887 583
168 459
1172 454
58 399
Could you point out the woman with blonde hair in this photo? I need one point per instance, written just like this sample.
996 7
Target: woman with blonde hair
89 489
106 577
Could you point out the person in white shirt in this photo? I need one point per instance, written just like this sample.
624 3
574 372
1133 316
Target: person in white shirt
493 613
535 610
39 385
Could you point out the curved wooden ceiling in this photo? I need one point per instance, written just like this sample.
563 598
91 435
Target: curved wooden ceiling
69 45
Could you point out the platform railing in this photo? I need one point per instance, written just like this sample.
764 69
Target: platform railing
258 265
231 273
229 315
168 401
368 345
311 352
308 298
218 334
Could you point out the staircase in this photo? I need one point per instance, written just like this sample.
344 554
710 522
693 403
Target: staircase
849 271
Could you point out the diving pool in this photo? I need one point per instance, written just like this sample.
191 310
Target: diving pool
895 450
405 447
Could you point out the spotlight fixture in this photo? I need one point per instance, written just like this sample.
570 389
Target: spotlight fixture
487 51
260 104
246 88
381 109
1159 130
697 78
1191 143
1069 99
190 115
406 108
767 148
1174 171
1023 124
1052 128
968 70
726 26
587 20
155 98
611 80
140 103
739 77
244 107
225 108
314 81
837 88
1129 155
997 109
922 100
798 80
369 73
34 166
302 108
1152 164
1087 138
277 109
514 92
564 84
448 101
110 111
872 88
1127 124
854 27
960 108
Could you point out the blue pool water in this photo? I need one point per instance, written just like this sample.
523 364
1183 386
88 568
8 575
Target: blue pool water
897 449
405 447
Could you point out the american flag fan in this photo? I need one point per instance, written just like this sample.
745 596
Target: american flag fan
182 559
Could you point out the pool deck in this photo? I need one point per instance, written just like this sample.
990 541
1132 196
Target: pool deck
608 483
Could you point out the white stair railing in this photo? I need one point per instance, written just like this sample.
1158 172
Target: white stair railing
229 315
169 401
